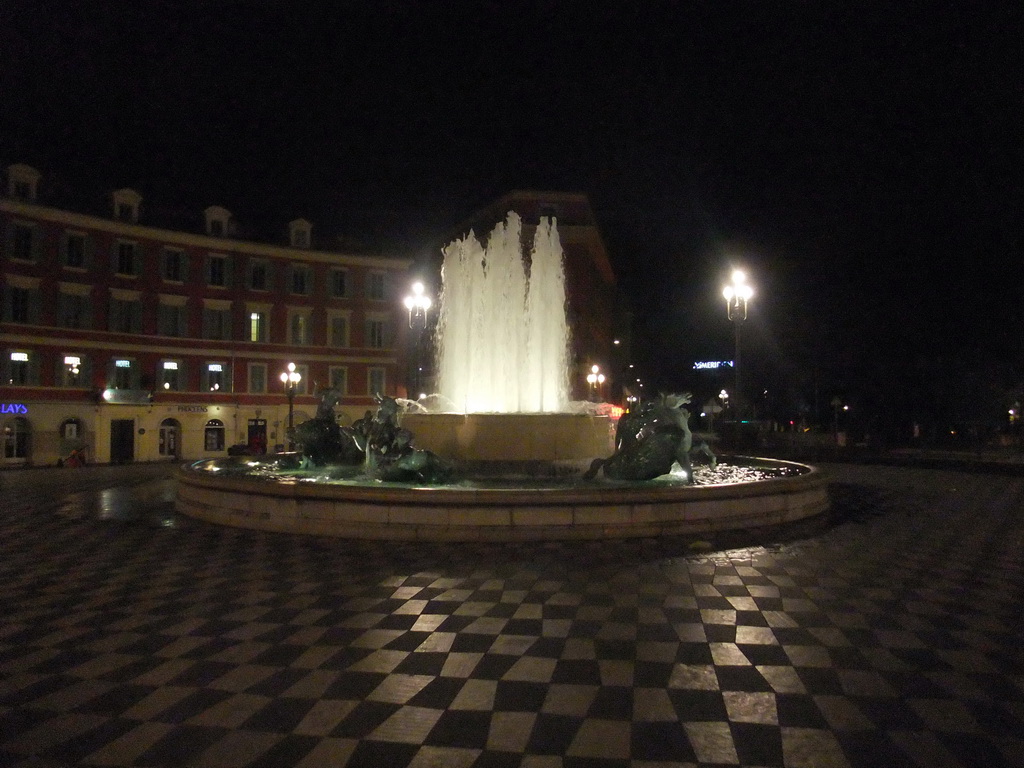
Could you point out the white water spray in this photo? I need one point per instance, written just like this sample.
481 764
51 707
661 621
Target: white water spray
502 333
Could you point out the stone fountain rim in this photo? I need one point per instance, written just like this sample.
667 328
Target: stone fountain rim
497 497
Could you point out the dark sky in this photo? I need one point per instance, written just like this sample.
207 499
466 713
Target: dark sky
863 161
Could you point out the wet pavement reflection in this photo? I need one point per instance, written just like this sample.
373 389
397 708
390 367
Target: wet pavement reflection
887 632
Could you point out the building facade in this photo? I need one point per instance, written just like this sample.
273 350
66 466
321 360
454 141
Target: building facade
123 341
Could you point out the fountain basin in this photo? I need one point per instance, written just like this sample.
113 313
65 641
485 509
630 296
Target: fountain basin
495 444
375 511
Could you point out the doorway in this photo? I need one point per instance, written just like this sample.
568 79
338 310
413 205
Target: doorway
257 436
169 438
16 439
122 441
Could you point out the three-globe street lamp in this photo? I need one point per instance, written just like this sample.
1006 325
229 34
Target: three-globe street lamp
596 380
737 294
418 306
291 379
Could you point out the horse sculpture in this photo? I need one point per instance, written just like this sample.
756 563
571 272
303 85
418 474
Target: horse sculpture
651 440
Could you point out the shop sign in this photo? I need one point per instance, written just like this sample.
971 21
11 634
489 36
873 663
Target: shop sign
18 408
191 409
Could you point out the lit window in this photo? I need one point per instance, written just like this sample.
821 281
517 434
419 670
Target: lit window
216 377
257 326
73 374
171 375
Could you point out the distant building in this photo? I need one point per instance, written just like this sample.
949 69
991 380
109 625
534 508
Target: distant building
596 317
133 342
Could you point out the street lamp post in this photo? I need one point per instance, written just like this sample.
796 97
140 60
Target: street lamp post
596 380
291 379
737 294
418 305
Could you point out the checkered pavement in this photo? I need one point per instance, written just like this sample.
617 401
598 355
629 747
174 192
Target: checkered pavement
887 634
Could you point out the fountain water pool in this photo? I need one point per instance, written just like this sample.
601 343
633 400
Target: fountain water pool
503 342
221 491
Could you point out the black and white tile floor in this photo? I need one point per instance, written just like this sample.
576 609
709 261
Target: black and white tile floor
890 636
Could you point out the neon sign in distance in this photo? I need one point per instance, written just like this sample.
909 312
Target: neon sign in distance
711 365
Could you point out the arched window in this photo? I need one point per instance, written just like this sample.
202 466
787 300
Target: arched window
214 435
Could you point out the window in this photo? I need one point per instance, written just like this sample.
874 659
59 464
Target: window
125 258
300 279
259 275
23 242
339 283
171 375
339 378
215 377
375 286
376 381
21 304
299 327
303 386
123 374
213 435
126 204
125 316
217 271
73 250
257 326
257 378
74 310
217 228
339 331
376 334
172 267
216 323
21 369
73 371
300 231
172 320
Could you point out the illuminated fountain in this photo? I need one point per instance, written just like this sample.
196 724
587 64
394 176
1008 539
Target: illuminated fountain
503 363
503 360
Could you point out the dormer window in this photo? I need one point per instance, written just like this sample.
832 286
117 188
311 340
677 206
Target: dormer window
126 205
300 233
22 181
218 220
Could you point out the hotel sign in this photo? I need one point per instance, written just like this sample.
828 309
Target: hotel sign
712 365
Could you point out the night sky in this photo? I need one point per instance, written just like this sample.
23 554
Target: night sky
862 161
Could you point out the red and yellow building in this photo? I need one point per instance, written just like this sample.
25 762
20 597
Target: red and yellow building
133 342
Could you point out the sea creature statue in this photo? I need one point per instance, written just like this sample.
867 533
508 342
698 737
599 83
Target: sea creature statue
323 441
649 441
376 441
